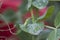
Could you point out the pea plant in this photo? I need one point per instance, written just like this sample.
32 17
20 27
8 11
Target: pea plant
33 27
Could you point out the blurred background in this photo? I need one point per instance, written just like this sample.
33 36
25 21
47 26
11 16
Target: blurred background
5 34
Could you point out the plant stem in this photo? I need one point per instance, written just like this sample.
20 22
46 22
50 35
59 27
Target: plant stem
26 22
50 27
32 15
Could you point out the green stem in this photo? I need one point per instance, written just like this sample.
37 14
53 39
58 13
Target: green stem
32 15
50 27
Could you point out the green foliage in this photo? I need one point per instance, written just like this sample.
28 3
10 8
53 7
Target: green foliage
47 14
42 35
54 0
57 20
33 29
40 4
26 5
54 35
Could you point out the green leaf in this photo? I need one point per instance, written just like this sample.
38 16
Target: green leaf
57 20
58 33
29 4
47 14
40 4
54 35
26 4
25 36
44 34
34 28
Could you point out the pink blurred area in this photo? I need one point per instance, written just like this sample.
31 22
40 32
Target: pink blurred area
13 4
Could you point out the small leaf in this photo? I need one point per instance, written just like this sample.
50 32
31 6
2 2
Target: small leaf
47 14
57 20
40 4
33 29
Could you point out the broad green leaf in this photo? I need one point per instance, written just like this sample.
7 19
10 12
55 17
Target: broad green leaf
40 4
54 35
57 20
47 14
34 28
